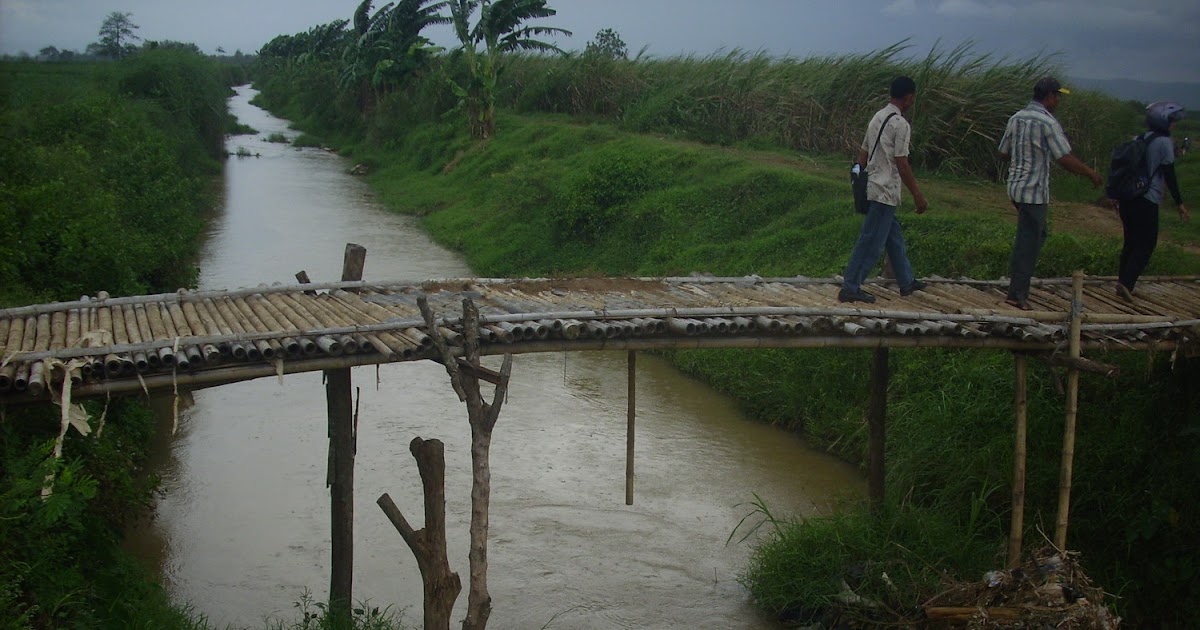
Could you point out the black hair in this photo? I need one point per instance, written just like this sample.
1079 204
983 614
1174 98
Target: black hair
903 86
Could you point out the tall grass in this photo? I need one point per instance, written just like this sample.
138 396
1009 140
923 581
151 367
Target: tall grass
817 104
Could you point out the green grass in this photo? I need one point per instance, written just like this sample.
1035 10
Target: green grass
306 140
241 129
277 137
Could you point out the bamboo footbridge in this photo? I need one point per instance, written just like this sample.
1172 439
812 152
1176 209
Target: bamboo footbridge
194 339
103 346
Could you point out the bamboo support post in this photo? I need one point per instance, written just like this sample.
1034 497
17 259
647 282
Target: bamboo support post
631 417
1016 528
342 446
1068 449
876 421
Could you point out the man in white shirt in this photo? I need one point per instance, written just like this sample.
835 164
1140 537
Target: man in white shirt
884 155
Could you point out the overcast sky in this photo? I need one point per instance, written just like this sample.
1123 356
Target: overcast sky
1153 40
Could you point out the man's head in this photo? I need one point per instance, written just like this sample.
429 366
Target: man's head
1048 91
904 92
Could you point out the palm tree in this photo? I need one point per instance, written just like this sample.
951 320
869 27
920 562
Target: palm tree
501 29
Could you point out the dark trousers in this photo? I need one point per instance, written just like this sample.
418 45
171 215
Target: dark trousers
1140 220
1031 235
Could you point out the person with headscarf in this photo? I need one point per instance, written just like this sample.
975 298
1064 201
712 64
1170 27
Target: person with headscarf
1139 216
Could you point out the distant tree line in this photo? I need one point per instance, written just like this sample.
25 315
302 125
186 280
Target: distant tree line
118 40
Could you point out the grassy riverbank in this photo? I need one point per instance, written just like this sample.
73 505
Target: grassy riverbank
107 172
736 165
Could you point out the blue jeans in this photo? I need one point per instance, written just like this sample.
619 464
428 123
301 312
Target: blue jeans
880 230
1031 235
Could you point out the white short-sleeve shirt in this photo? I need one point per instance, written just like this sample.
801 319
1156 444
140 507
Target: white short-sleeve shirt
883 183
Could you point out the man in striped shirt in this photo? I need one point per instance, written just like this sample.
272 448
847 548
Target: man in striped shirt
1032 139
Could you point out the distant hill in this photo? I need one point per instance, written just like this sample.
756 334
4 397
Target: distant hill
1187 94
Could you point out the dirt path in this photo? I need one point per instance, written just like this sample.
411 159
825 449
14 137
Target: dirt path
974 197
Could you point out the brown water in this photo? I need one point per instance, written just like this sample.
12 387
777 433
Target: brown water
243 525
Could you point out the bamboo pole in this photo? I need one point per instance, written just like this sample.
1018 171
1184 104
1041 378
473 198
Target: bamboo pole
292 346
188 355
238 324
876 422
16 332
696 342
326 343
1068 449
218 338
212 317
1016 528
212 351
37 371
345 316
317 313
140 361
256 323
154 320
224 374
631 417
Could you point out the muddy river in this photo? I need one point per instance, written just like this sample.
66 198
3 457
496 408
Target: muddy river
242 527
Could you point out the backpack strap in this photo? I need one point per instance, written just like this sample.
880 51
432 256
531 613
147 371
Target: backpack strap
879 137
1149 137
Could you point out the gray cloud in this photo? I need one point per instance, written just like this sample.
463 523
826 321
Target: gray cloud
1150 39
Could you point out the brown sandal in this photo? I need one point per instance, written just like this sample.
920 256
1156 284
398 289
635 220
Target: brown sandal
1021 306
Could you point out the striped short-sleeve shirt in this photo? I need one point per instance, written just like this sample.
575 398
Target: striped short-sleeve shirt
1033 139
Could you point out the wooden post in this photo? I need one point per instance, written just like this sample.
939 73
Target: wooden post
340 404
482 417
1017 527
1068 449
876 416
428 544
631 416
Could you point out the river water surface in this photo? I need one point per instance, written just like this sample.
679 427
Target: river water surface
242 527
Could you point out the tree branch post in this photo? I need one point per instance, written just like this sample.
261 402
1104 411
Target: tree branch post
482 417
428 545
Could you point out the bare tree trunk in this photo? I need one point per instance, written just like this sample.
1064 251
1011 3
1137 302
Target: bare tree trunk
465 375
479 601
441 585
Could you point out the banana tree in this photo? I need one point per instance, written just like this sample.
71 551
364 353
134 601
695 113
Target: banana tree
388 46
499 28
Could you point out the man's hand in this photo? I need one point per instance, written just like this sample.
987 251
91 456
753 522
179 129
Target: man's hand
1097 181
922 203
1184 215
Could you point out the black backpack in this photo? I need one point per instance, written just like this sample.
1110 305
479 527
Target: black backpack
1129 176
